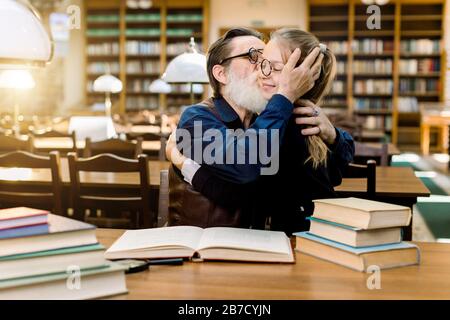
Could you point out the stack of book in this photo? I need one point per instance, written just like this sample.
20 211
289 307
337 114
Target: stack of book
44 256
359 233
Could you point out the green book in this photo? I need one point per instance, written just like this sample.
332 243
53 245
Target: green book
92 283
51 261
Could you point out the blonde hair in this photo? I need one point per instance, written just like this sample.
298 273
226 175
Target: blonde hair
292 38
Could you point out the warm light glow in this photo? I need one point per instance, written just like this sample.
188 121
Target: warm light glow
107 83
160 86
15 174
406 157
434 199
441 157
16 79
425 174
23 38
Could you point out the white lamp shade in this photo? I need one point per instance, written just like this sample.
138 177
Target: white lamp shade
107 83
187 68
16 79
23 39
160 86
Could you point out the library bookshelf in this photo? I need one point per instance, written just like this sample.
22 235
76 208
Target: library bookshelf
136 45
384 74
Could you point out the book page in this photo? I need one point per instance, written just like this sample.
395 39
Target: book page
245 239
160 238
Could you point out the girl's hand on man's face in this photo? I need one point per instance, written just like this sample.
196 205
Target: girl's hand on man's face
313 116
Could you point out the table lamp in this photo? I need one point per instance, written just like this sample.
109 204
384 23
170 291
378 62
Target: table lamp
107 84
18 80
188 67
24 42
162 87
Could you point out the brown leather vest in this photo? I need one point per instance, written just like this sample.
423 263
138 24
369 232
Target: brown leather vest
189 207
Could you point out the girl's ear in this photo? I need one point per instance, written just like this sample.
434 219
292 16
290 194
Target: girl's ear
219 74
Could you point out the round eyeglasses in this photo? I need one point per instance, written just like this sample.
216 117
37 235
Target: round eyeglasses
267 67
252 55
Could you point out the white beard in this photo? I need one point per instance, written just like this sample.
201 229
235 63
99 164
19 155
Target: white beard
245 92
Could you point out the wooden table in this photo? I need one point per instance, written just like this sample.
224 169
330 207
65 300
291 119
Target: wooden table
392 148
94 179
434 115
64 145
397 185
308 278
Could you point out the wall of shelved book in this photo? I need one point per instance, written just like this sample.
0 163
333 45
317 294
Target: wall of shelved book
383 75
136 45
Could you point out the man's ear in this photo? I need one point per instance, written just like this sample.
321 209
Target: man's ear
219 74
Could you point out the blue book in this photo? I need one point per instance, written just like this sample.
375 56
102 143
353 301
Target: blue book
353 236
24 231
360 259
60 232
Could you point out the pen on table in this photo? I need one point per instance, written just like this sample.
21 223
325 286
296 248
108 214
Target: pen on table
172 262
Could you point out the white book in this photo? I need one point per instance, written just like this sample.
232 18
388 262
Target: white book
206 244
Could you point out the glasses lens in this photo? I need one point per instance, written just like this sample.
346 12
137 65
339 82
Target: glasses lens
253 55
266 68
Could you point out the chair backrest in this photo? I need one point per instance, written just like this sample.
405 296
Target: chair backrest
11 143
57 134
118 147
367 171
15 193
163 201
364 151
111 200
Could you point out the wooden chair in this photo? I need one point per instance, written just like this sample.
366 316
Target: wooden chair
13 193
161 153
57 134
136 202
364 152
11 143
163 201
368 172
118 147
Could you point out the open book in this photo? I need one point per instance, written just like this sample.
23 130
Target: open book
206 244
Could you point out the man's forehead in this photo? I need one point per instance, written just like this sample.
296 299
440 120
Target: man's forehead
244 43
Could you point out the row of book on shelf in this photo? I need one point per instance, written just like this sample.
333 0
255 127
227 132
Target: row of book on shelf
377 66
144 17
373 86
372 104
372 122
135 47
139 66
378 46
412 66
405 104
45 256
421 86
140 32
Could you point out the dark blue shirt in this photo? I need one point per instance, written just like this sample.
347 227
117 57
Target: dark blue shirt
198 119
275 116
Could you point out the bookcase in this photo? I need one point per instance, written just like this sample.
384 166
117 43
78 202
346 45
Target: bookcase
383 74
136 44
